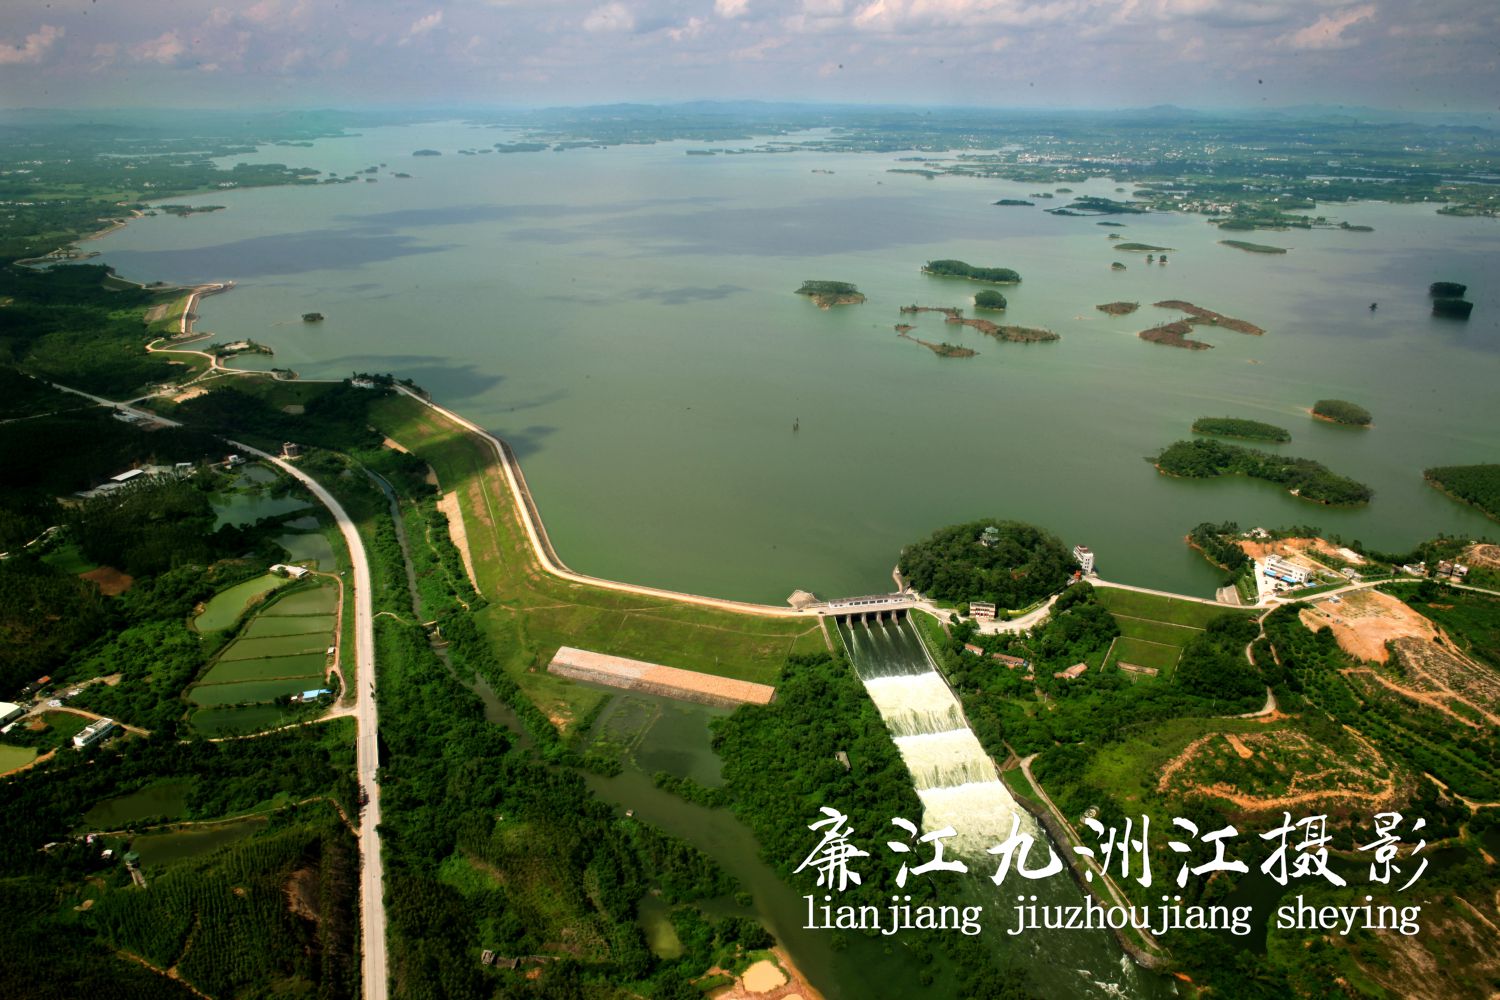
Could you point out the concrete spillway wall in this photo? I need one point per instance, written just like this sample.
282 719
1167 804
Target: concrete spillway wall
653 678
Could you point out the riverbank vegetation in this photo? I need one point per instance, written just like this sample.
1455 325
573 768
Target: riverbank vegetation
961 269
1238 427
1008 563
1341 411
1302 477
1475 484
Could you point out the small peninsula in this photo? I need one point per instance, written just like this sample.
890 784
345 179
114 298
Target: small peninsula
1118 308
961 269
1474 484
1252 247
1236 427
1009 563
1341 411
1302 477
826 294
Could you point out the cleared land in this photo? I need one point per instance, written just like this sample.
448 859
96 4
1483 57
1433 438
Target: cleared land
1154 607
652 678
1365 620
1143 653
532 614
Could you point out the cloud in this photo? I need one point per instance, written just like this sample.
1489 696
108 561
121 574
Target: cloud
164 48
692 29
34 49
1327 32
730 8
609 18
422 26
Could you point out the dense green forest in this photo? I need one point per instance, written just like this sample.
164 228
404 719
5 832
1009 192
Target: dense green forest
1307 479
989 299
827 288
1341 411
1237 427
960 269
1218 543
1006 562
1477 484
1447 290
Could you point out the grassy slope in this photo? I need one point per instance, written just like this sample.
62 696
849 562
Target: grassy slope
532 613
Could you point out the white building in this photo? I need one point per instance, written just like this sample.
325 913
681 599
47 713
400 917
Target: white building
982 609
1085 557
9 711
295 572
93 733
1289 572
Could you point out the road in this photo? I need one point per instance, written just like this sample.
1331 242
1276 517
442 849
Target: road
367 755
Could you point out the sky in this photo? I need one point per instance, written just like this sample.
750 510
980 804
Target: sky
1401 54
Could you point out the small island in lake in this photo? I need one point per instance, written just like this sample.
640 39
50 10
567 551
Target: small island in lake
1010 202
1341 411
960 269
1119 308
1252 247
1117 266
1115 225
1452 308
1197 314
1013 334
989 299
426 152
941 350
1142 247
1236 427
1447 290
1174 334
826 294
312 317
1302 477
1475 484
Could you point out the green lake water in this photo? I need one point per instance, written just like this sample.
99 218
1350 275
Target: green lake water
625 318
191 841
162 800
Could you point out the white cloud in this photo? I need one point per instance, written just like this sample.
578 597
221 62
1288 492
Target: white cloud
34 49
611 17
692 29
1327 32
730 8
422 26
164 48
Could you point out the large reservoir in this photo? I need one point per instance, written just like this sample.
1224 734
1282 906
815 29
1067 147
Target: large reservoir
625 317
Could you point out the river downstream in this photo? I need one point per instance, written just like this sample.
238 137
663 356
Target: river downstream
625 318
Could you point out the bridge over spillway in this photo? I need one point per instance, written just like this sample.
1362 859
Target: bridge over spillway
870 609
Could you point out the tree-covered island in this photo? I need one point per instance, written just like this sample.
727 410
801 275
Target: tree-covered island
1341 411
1236 427
960 269
1010 563
1302 477
827 294
989 299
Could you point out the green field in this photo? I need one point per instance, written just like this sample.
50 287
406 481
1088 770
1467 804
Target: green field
266 668
242 692
1144 653
1164 633
69 559
1172 610
266 626
170 846
227 605
318 601
275 645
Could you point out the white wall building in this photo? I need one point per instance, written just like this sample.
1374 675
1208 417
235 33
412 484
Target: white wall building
1085 557
93 733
